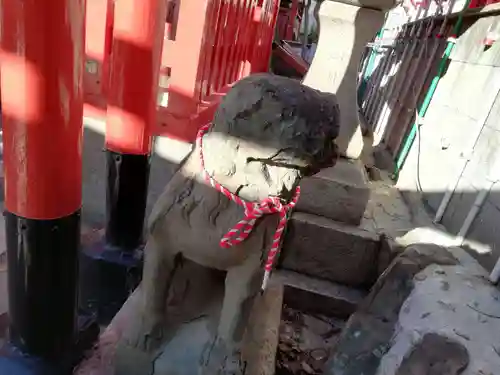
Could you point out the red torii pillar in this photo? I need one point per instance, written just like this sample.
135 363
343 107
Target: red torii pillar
138 34
132 92
42 51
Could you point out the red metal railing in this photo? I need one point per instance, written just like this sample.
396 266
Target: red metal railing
287 19
208 45
481 3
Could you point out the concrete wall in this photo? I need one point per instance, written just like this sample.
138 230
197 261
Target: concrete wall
466 104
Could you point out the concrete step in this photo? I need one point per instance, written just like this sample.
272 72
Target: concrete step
339 193
328 250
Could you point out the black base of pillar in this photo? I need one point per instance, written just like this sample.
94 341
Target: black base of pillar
112 269
15 362
46 333
107 277
42 258
126 197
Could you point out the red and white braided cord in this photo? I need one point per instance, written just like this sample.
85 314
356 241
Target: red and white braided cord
253 211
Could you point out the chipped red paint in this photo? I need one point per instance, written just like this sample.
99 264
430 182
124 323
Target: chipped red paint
42 105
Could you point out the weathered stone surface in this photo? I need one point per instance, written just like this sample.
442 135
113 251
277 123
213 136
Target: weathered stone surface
325 249
369 331
268 133
318 296
435 355
432 312
386 212
339 193
456 302
348 28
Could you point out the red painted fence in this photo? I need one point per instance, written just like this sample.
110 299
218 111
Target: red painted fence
208 45
288 17
481 3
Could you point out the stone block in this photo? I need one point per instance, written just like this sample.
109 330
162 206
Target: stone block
322 248
339 193
430 313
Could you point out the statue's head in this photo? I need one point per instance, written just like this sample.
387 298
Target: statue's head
269 132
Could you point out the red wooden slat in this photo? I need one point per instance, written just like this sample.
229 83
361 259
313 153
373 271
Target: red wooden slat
208 45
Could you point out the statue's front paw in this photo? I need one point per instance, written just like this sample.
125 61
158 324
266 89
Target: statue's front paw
133 361
146 334
234 364
219 359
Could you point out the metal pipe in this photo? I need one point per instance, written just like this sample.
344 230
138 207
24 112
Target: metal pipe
388 91
373 79
471 216
442 31
400 66
452 186
495 273
305 18
368 66
374 82
377 89
375 86
400 100
374 72
427 69
368 101
382 91
401 80
388 95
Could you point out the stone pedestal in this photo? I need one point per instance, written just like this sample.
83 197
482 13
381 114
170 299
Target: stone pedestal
338 193
345 29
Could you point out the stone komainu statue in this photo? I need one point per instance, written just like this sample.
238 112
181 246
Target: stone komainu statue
268 133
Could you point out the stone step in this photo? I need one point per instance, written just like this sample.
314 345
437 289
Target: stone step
339 193
325 249
302 293
318 296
